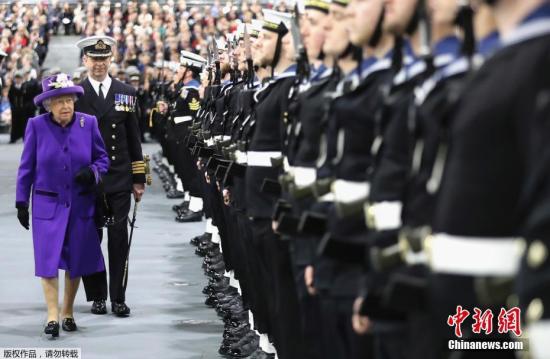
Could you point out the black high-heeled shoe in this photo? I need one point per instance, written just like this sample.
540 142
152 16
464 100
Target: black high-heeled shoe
52 328
69 325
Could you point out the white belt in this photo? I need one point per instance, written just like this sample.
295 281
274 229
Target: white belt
539 333
222 138
303 176
328 197
181 119
240 157
384 216
349 191
262 158
479 256
210 142
286 166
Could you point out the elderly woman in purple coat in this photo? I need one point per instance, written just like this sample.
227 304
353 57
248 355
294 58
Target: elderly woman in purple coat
63 159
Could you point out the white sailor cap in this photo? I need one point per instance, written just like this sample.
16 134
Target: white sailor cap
277 21
250 28
256 27
97 46
131 70
164 64
190 59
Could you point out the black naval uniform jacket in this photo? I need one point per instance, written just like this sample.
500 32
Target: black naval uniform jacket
120 132
185 107
354 114
497 138
268 136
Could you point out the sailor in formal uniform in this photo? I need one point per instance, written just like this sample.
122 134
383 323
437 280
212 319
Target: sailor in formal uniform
184 110
134 79
114 104
262 190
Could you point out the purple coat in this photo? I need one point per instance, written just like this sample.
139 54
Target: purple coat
63 226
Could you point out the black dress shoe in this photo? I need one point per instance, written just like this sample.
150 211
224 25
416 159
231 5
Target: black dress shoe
175 194
211 301
190 217
203 238
69 325
99 307
245 347
52 328
260 354
181 206
120 309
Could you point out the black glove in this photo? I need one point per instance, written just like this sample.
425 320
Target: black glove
85 177
23 216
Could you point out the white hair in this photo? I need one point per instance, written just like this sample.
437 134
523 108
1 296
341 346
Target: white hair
47 103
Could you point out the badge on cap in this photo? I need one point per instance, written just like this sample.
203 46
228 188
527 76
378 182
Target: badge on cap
100 45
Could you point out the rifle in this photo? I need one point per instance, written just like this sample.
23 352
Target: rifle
235 61
209 64
248 55
302 62
425 32
231 55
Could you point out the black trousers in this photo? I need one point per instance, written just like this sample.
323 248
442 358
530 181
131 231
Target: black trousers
95 285
279 288
340 340
18 125
190 175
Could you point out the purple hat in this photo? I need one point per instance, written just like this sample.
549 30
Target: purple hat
57 85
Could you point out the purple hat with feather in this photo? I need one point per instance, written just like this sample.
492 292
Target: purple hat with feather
57 85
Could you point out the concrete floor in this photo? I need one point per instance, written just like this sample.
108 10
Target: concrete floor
169 319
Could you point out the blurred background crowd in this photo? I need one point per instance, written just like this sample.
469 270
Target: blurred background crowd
150 36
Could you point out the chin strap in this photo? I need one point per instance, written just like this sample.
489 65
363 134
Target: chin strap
377 35
281 32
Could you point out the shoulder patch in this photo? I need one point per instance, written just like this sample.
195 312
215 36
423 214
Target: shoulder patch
194 105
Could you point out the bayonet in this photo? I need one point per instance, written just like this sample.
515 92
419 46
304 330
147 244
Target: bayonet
217 79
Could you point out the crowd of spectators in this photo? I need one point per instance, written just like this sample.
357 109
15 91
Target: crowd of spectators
25 33
147 33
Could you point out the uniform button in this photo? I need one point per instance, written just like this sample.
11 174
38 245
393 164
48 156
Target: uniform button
114 126
113 148
113 158
65 167
113 137
535 310
536 254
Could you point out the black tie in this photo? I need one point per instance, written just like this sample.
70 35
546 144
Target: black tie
101 92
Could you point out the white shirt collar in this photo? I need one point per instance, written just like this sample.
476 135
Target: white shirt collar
106 85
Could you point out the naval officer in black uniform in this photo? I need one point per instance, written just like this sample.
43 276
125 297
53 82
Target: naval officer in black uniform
114 104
